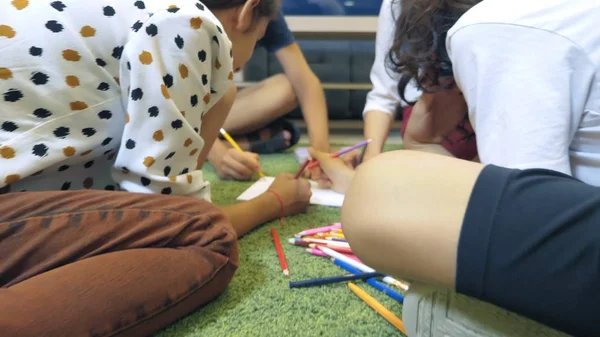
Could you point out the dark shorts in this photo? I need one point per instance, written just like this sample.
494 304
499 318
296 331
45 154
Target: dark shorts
530 243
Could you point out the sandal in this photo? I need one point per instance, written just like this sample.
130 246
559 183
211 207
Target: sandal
276 143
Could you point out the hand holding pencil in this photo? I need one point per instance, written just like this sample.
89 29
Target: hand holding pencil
236 163
337 175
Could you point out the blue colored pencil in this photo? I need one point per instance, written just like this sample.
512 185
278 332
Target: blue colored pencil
372 282
328 280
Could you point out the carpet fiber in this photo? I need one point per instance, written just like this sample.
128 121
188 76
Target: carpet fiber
259 302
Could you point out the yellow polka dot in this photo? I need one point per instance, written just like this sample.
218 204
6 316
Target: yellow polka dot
7 152
86 153
7 31
193 152
72 81
172 7
146 58
78 106
69 151
127 119
173 178
206 98
71 55
230 75
5 74
117 80
149 161
196 23
183 71
158 136
165 91
190 178
20 4
12 178
87 31
217 64
188 142
182 113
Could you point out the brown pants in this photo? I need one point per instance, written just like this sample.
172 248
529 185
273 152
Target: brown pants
95 263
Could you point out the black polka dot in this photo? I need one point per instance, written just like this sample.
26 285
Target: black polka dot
106 141
103 86
167 171
177 124
117 52
9 126
130 145
88 183
105 114
204 79
42 113
66 186
220 30
13 95
137 94
54 26
194 100
171 155
40 150
200 6
216 40
230 52
88 164
196 129
139 4
212 91
179 42
58 5
137 26
173 10
108 11
152 30
62 132
39 78
101 62
107 152
185 171
63 168
168 79
128 65
145 181
166 190
35 51
88 132
153 111
125 170
109 188
202 55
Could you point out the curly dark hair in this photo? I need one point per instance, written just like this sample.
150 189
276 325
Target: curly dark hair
265 8
419 48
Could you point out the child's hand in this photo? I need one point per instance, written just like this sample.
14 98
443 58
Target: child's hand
337 175
238 165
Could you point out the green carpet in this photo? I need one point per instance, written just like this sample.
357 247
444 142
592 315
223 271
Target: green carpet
258 301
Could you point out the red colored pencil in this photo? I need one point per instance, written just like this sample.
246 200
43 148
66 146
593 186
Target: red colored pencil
302 168
279 250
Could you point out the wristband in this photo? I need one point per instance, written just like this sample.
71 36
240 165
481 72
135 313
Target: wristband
282 205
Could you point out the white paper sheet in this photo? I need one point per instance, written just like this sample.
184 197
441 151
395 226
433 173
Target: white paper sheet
319 196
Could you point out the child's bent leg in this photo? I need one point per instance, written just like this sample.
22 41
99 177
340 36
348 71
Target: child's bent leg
95 263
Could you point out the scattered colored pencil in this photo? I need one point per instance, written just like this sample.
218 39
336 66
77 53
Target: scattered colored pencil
362 267
298 242
236 146
319 230
371 281
327 242
378 307
334 279
279 250
342 250
302 168
342 152
314 250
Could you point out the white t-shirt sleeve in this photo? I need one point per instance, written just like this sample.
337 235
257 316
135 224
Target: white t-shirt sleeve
526 90
384 95
174 69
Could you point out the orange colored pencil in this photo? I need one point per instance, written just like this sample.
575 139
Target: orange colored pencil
302 168
279 250
383 311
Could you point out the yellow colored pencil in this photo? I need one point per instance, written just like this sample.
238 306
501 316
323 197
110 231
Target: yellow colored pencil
235 145
383 311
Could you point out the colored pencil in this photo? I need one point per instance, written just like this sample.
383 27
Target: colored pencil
342 152
279 250
236 146
317 252
336 239
378 307
326 242
342 250
334 279
362 267
302 168
319 230
371 281
298 242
